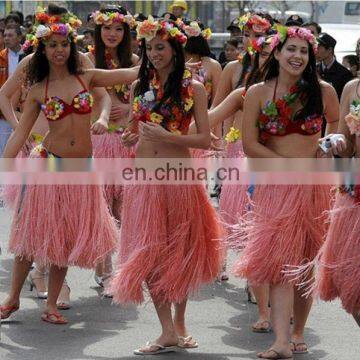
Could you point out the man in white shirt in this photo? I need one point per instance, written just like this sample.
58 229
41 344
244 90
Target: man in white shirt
9 59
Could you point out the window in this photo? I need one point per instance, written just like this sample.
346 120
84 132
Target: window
352 9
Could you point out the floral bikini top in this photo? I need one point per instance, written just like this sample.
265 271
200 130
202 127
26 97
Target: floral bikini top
172 115
54 108
276 117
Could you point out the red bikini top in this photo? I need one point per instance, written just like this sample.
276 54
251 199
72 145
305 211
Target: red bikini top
55 108
276 117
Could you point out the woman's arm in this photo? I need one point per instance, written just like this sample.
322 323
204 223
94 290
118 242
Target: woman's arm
331 107
131 134
250 130
103 78
215 77
12 84
201 139
232 103
22 131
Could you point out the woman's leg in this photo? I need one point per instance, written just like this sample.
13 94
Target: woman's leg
281 299
261 294
20 271
302 307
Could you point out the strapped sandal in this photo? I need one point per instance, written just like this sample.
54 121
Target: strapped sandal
295 345
105 281
276 355
187 342
157 349
53 318
264 328
6 311
64 304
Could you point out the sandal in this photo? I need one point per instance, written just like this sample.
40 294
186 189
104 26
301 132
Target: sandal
106 281
64 304
6 311
250 295
187 342
53 318
265 327
157 349
32 279
296 345
275 355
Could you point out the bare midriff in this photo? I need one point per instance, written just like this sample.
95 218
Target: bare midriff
150 149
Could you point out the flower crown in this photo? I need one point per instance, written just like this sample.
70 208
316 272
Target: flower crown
149 28
193 30
257 45
107 18
46 25
284 32
254 22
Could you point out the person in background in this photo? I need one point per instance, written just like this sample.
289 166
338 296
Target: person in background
329 69
2 43
135 48
235 34
19 14
9 58
88 39
28 25
90 22
2 24
232 51
294 20
314 27
179 9
351 62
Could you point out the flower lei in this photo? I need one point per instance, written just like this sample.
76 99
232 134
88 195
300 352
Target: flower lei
194 30
107 18
172 116
255 22
275 116
233 135
353 118
46 25
284 32
148 29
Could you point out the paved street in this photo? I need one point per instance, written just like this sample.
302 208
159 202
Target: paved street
219 318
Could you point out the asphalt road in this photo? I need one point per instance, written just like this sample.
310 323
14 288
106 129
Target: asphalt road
219 318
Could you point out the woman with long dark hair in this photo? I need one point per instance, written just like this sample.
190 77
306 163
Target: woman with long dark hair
253 26
283 117
169 234
59 225
112 50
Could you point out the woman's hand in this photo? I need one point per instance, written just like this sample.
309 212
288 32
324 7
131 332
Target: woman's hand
129 138
117 113
153 132
337 143
99 127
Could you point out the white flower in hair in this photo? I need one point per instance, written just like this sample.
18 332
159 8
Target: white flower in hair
149 96
42 31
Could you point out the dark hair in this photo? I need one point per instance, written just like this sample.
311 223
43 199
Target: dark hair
14 17
89 31
14 27
54 9
352 60
2 31
19 14
172 88
313 23
197 45
233 42
30 18
123 50
310 83
38 68
169 16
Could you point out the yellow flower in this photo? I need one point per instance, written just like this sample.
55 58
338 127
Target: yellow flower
189 102
233 135
173 32
207 33
156 118
187 74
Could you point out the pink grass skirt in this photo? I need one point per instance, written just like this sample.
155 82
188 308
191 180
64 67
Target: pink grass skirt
170 239
338 273
286 226
233 198
109 146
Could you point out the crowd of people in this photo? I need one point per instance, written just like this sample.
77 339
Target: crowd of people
150 87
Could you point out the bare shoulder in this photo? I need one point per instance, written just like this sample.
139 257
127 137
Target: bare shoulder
135 59
37 92
198 87
327 89
351 86
232 66
257 89
90 56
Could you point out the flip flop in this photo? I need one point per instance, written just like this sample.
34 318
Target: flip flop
187 342
53 318
262 329
276 356
299 344
6 311
159 349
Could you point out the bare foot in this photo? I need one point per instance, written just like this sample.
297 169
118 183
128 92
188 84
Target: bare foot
8 307
298 345
261 326
277 351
